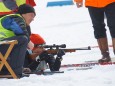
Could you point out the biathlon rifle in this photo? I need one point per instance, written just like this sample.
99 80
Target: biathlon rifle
53 49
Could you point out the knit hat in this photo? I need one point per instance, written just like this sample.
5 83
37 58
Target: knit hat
25 8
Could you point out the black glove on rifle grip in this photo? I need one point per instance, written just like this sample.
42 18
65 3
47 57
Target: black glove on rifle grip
60 53
44 55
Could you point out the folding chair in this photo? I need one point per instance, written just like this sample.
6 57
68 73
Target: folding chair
3 59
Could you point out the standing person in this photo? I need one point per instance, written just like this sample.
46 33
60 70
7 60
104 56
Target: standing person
13 27
97 9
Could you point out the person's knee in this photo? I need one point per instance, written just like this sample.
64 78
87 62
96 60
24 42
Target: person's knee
100 34
25 39
112 30
22 40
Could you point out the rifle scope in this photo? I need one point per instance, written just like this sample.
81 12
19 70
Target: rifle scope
55 46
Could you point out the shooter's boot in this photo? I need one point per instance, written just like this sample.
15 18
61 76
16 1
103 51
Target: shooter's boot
103 46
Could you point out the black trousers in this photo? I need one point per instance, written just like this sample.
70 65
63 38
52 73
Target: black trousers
54 63
17 56
97 17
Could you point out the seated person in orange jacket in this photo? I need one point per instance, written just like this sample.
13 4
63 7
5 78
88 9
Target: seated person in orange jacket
42 55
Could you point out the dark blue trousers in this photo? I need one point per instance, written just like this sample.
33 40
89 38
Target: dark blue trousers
97 17
17 56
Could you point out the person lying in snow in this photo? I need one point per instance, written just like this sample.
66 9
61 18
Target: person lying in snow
40 60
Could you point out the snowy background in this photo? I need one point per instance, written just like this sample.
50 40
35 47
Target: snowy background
71 26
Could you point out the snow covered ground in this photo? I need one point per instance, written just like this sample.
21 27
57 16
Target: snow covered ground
71 26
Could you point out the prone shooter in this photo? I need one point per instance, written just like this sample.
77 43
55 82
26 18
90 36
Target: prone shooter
54 49
51 55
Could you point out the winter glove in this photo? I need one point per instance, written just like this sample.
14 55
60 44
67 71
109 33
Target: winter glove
60 53
44 56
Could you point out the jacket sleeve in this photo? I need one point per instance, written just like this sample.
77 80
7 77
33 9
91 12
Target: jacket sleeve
78 0
15 24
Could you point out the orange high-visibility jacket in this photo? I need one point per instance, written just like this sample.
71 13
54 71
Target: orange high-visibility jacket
96 3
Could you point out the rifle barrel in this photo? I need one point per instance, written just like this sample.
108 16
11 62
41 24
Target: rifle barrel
54 51
83 48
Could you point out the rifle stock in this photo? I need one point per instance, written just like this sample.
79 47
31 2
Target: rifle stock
33 56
